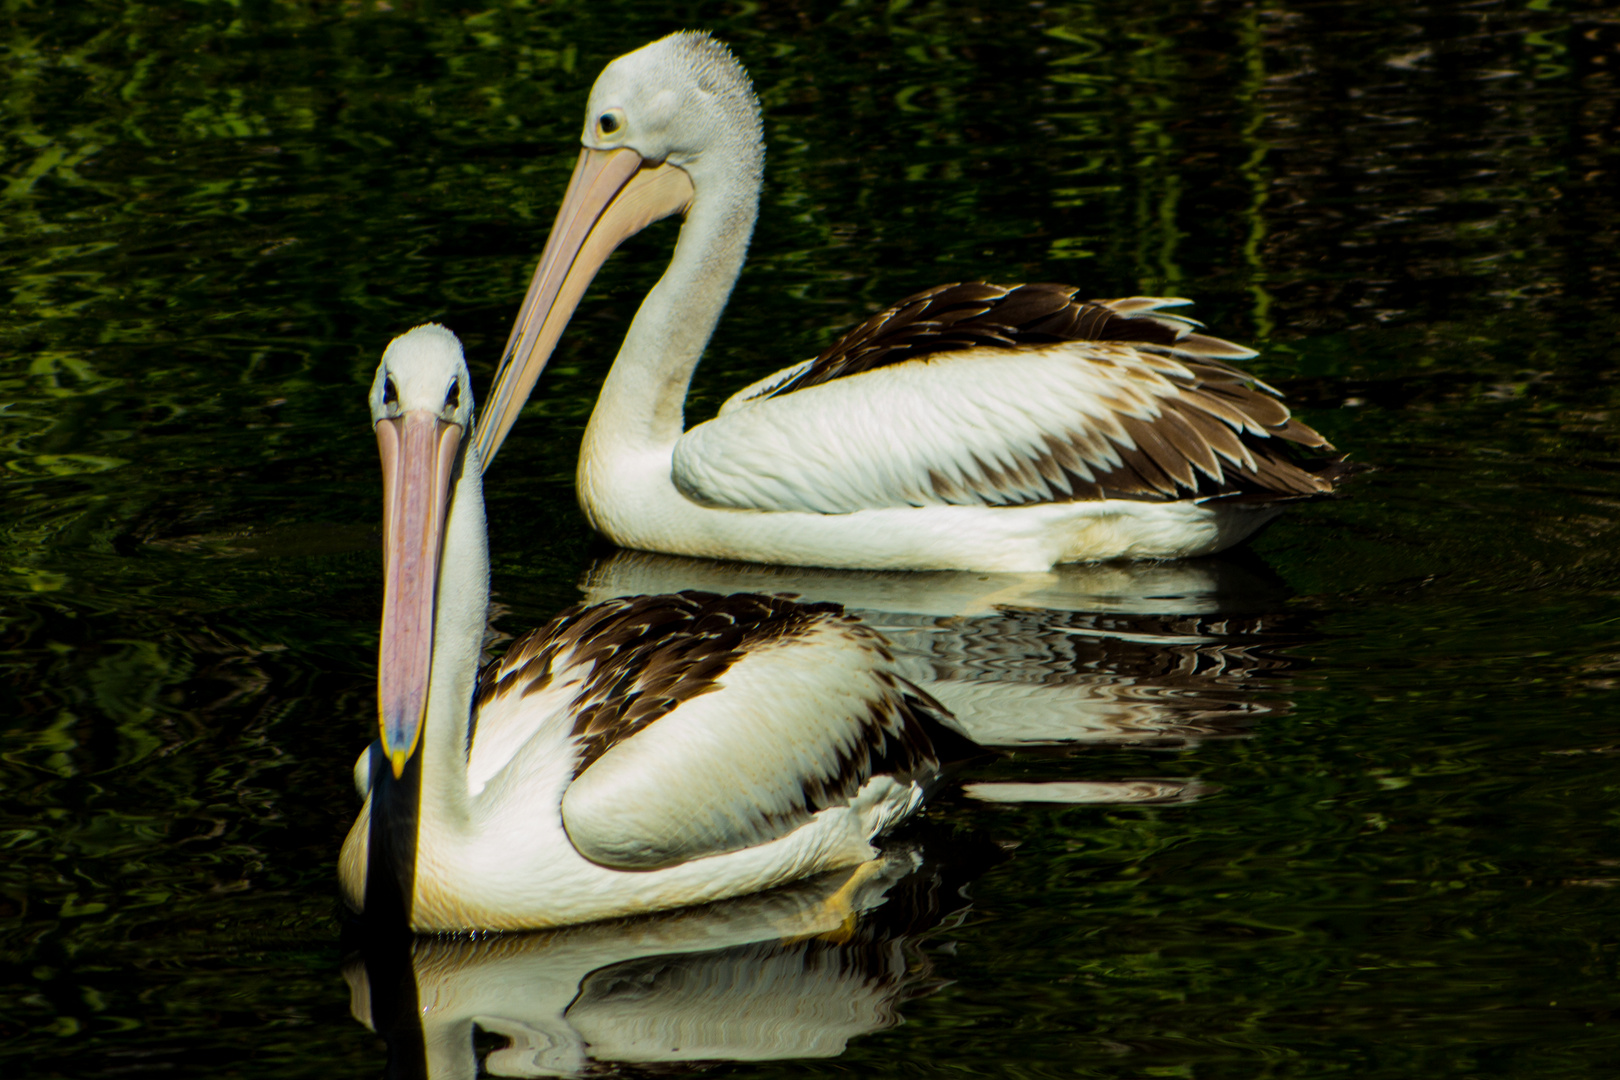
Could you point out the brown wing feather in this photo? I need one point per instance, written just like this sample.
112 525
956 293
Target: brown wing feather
645 655
1219 436
641 657
974 314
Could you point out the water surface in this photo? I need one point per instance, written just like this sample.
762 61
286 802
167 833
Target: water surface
1355 785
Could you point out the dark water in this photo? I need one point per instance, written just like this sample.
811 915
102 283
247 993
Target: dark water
1365 773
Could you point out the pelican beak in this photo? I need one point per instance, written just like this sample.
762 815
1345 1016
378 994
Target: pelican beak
613 195
418 455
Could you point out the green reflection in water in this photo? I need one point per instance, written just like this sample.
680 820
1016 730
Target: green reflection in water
215 215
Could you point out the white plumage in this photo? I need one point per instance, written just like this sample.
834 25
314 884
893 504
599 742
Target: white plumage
968 427
636 754
982 426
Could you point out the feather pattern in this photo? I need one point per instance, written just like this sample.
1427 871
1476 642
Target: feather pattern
979 394
631 660
665 769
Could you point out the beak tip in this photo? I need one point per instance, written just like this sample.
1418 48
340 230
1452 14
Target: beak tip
397 760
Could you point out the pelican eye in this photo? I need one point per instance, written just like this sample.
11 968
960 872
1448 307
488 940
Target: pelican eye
390 394
609 122
453 398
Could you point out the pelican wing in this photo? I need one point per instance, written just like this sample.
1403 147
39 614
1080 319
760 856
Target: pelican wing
704 724
976 394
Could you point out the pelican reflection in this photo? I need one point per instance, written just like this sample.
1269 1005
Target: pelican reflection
1134 654
794 973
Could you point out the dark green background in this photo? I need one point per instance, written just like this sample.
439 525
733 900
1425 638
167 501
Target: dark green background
215 214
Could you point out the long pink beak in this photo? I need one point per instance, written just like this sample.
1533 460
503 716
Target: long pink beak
418 455
613 195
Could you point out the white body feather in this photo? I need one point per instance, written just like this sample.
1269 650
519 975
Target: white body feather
629 496
839 475
893 436
911 466
492 851
505 861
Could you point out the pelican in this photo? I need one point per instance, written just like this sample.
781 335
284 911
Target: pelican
969 427
643 753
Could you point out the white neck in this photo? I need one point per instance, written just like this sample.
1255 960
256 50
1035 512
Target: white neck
642 400
458 637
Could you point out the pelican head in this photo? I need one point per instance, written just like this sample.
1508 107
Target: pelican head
682 100
661 121
421 407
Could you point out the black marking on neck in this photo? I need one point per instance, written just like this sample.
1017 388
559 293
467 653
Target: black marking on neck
396 814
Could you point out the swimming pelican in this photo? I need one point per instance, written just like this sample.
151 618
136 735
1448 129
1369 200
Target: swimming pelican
643 753
972 426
